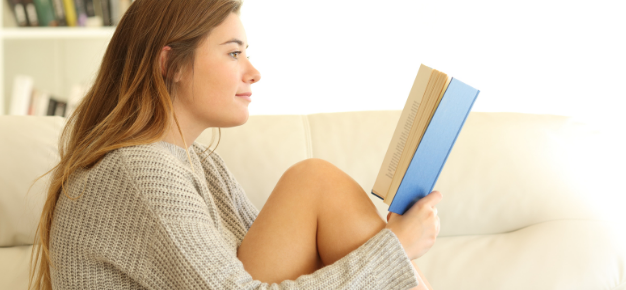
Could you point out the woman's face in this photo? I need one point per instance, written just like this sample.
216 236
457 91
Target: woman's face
208 95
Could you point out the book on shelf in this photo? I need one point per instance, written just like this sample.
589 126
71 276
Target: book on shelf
28 100
59 12
429 124
31 12
81 13
21 95
45 13
105 11
19 12
93 19
91 13
70 12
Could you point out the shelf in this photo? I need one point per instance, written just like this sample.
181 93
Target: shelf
56 32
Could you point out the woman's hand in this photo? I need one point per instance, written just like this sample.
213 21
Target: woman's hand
418 228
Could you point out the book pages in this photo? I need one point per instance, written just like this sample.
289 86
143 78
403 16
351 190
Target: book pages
434 92
402 132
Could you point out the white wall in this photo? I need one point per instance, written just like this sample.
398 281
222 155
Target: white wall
537 56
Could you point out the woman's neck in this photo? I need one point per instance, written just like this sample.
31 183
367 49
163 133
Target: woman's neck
173 134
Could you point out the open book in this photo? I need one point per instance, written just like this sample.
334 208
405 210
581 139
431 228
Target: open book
431 120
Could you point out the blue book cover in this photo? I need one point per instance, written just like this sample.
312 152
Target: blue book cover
435 146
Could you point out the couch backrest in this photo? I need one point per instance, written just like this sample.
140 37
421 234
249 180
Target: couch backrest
28 149
506 170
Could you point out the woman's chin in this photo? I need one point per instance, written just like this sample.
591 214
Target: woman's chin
240 120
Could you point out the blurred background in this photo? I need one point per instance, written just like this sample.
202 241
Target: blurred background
552 57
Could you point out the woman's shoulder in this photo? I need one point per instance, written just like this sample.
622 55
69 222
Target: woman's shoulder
207 154
144 159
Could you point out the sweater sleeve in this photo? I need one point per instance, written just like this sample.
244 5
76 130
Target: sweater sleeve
186 249
190 256
242 203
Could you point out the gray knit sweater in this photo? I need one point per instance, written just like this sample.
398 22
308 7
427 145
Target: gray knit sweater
147 221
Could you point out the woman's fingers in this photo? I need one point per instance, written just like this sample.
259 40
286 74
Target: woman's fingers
427 202
418 228
432 199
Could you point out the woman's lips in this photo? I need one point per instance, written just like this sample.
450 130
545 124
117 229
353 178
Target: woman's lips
245 96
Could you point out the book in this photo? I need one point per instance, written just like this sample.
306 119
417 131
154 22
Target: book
81 12
31 12
59 108
105 10
59 12
45 13
118 8
19 12
93 19
432 118
39 103
70 12
21 95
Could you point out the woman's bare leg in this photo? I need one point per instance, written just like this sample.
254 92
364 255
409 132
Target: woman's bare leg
423 284
316 215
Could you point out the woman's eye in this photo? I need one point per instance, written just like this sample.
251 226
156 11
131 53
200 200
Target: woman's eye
237 53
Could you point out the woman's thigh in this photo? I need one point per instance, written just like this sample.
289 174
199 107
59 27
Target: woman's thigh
315 213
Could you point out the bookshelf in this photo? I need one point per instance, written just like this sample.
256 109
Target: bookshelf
56 57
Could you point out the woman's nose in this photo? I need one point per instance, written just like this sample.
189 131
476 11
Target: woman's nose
253 75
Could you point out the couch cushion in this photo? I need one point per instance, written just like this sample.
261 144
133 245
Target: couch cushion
14 267
554 255
259 152
28 149
506 171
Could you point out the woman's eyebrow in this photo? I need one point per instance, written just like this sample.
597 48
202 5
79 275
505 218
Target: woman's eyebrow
235 40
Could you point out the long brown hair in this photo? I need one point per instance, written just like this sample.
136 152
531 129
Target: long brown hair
130 102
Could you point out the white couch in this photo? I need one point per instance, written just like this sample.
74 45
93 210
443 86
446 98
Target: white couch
526 202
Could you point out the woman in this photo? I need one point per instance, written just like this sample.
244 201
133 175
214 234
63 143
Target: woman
135 203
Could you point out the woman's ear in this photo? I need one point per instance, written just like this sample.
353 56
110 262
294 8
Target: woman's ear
165 51
163 58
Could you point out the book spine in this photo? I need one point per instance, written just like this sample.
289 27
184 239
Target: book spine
106 12
31 12
19 12
59 12
123 6
435 146
45 13
59 109
39 104
114 8
70 12
21 95
89 9
81 13
52 106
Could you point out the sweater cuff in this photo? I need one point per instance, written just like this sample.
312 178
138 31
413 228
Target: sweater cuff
394 267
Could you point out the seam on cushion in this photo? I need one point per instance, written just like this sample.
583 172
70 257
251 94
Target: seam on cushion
307 136
619 287
528 226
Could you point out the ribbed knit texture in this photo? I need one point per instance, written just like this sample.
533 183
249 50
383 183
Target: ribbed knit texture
148 221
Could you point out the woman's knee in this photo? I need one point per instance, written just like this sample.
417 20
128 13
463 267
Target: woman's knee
321 178
318 173
313 166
